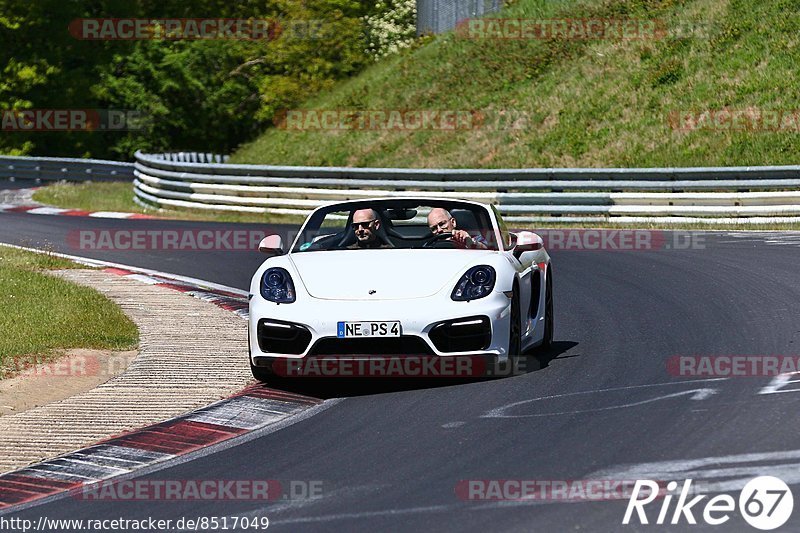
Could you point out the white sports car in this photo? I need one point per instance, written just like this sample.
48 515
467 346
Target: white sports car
413 290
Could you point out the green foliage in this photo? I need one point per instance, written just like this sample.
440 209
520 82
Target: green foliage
392 27
205 95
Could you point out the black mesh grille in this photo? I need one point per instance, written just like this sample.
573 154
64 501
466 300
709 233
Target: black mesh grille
275 336
462 335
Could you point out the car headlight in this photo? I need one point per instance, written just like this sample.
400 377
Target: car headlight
476 283
277 286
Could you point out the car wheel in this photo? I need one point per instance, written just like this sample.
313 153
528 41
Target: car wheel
547 341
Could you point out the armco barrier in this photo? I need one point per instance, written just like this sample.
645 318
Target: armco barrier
719 194
58 168
663 195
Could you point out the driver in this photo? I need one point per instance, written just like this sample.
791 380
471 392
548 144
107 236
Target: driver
440 221
365 225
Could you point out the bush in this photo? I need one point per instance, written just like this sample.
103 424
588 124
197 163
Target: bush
391 27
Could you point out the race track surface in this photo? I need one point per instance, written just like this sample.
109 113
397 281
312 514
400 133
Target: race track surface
391 455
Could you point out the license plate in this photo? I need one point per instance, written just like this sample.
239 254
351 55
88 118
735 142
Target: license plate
346 330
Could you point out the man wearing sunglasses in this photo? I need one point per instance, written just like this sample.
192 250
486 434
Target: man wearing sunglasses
441 221
366 225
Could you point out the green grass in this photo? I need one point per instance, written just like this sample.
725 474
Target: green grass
591 103
41 314
90 196
118 196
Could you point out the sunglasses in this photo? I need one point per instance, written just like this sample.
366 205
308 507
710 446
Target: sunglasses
364 225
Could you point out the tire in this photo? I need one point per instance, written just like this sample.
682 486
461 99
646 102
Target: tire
262 373
549 325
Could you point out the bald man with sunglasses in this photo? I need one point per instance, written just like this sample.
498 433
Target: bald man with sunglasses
365 225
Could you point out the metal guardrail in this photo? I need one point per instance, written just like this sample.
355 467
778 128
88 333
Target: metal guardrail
437 16
206 182
58 168
723 194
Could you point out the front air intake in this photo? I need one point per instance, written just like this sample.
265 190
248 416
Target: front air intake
276 336
462 335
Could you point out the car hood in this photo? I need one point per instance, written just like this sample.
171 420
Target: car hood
392 274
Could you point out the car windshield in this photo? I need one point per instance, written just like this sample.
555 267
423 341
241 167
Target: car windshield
396 224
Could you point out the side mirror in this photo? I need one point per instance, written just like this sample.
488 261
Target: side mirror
527 241
271 245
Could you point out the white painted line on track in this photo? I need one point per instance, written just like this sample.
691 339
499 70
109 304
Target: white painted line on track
696 394
499 412
780 381
719 474
88 261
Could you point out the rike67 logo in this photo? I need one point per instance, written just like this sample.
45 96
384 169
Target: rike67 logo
765 503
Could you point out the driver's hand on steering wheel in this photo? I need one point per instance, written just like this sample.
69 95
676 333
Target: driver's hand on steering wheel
462 238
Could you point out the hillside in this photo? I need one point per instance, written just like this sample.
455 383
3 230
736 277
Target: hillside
602 102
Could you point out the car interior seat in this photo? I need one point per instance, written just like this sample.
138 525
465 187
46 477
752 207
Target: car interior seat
349 237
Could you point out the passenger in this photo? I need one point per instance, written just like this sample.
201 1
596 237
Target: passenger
440 221
366 225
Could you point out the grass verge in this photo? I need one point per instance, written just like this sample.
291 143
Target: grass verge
118 196
602 102
41 314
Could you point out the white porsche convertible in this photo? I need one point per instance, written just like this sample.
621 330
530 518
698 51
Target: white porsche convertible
399 277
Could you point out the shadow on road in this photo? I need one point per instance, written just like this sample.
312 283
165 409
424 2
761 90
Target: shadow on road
339 387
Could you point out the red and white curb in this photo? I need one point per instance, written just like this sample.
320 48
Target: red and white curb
230 301
46 210
252 409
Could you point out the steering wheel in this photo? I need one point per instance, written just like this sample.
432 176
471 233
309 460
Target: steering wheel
440 237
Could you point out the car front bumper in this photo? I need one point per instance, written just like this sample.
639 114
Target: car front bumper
430 326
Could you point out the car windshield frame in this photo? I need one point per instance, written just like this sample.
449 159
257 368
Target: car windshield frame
313 230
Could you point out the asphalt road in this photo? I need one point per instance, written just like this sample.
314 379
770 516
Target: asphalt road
391 456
